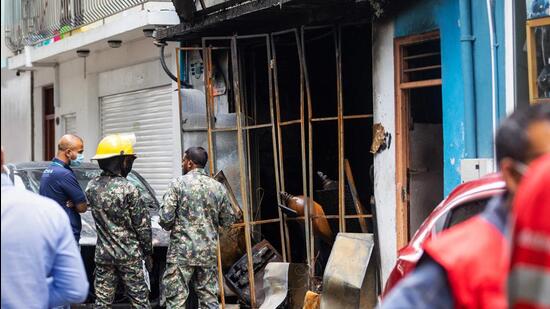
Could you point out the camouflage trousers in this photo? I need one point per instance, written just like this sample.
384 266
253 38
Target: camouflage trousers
176 281
106 280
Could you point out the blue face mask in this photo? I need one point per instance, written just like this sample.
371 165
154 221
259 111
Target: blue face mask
78 161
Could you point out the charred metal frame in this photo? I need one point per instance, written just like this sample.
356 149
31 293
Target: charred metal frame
277 125
335 31
242 127
301 122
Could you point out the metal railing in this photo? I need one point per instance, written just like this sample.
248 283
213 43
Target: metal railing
29 22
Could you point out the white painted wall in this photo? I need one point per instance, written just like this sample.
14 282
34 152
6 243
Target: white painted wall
16 116
78 95
384 162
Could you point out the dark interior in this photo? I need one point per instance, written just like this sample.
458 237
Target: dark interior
320 59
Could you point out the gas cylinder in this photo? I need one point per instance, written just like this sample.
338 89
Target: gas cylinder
320 223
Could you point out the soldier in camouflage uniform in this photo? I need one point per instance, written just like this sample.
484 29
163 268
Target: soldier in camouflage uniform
194 208
123 225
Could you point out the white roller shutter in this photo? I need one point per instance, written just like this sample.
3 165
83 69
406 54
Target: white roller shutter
148 114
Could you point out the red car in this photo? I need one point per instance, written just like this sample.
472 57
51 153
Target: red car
466 201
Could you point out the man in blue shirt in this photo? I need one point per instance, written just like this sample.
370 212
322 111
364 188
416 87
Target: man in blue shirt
59 182
41 265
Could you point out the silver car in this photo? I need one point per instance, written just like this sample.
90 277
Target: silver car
28 175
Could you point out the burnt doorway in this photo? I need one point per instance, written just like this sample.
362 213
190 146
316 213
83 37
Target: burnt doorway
48 117
287 116
419 131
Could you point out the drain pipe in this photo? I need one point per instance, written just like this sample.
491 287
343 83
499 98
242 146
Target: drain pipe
466 44
490 20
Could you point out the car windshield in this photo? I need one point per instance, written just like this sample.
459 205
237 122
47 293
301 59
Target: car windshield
466 211
31 179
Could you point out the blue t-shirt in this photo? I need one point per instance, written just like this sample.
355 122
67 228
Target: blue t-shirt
59 183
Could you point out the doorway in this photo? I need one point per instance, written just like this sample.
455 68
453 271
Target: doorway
419 131
294 129
48 116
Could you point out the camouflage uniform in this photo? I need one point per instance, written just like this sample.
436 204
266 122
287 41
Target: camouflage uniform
124 238
193 209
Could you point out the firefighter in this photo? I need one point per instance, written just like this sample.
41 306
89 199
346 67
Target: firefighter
466 266
123 224
194 208
529 284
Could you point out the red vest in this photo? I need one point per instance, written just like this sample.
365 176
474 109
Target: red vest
475 256
530 252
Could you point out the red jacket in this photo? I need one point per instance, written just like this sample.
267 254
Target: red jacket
530 265
475 257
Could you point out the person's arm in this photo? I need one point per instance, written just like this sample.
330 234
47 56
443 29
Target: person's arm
227 214
141 221
426 287
68 283
167 213
72 189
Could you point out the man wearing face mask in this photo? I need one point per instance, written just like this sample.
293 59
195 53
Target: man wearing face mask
123 223
466 266
59 182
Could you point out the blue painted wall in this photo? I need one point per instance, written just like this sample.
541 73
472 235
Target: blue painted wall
444 15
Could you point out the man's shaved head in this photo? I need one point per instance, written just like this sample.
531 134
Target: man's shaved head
69 147
69 141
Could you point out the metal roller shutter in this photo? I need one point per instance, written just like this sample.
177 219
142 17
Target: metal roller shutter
148 114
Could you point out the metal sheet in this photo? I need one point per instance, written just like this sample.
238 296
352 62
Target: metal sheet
220 176
285 281
348 281
275 284
148 114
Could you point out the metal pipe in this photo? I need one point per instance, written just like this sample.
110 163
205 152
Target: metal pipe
32 116
467 41
332 217
493 75
245 96
270 70
301 59
209 96
248 241
180 104
280 157
290 122
209 117
341 176
307 222
259 222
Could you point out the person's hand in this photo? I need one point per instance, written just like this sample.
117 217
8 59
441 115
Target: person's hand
70 204
149 263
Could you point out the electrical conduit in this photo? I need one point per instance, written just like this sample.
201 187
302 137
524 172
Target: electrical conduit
493 73
466 43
